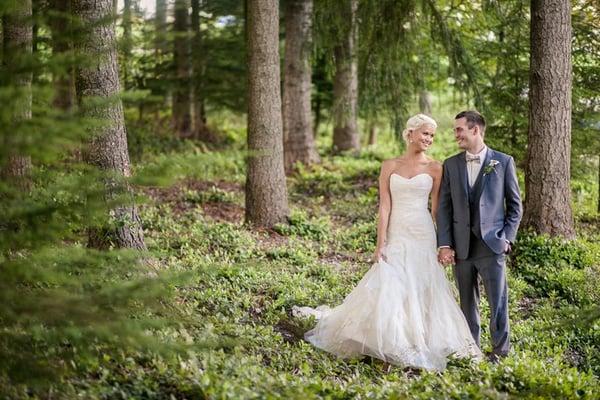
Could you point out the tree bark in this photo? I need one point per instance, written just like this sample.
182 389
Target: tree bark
372 134
547 183
266 193
160 28
127 41
425 102
182 111
17 38
161 51
62 42
299 144
198 67
108 148
345 85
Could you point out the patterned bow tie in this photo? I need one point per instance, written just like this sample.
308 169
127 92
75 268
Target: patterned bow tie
475 159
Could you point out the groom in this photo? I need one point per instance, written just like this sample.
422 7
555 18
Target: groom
477 220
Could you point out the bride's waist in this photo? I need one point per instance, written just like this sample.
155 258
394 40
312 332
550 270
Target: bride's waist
414 213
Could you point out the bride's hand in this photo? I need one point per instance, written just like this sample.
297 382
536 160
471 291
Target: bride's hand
378 255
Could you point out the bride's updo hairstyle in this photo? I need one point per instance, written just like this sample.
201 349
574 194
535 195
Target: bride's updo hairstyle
415 122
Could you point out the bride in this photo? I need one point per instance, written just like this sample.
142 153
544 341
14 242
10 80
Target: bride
403 310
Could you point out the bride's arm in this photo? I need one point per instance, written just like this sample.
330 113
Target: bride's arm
436 173
385 202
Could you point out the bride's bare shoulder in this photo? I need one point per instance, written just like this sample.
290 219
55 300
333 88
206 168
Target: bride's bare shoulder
435 166
390 164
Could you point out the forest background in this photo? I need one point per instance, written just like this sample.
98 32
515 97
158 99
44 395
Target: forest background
176 175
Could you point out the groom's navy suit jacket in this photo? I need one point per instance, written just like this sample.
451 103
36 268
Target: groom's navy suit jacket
499 204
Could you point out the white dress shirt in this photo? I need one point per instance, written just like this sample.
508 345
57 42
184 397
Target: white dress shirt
473 168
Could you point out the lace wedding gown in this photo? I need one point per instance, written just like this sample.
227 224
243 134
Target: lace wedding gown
403 310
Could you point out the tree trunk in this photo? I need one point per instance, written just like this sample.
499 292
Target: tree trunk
345 85
320 80
548 194
598 183
127 41
108 148
17 38
425 102
161 51
299 144
372 134
266 193
198 67
62 42
182 111
160 28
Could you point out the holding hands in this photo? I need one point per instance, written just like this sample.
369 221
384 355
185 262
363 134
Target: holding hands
446 256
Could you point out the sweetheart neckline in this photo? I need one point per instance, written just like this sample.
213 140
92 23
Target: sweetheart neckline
411 178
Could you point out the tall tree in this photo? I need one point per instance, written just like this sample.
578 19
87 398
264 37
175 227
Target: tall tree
425 102
548 193
345 82
299 144
198 70
17 34
98 79
160 27
60 27
182 111
127 42
161 53
266 193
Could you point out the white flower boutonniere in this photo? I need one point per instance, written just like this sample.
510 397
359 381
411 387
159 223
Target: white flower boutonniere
491 167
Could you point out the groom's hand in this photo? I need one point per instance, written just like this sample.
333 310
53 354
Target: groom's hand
446 256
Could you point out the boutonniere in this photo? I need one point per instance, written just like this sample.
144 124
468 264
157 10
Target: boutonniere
491 167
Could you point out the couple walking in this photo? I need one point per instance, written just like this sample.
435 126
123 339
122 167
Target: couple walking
403 310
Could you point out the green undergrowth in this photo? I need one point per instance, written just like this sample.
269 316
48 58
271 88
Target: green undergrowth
241 284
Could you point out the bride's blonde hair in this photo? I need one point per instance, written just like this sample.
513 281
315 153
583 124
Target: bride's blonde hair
415 122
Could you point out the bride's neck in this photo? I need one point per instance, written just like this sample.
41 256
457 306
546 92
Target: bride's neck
415 155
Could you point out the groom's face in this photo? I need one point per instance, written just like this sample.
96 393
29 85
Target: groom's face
466 137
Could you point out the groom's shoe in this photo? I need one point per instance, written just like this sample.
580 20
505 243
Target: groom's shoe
495 358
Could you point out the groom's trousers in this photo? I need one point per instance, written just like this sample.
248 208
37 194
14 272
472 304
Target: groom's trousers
491 268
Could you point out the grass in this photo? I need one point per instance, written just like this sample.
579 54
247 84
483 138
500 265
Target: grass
235 307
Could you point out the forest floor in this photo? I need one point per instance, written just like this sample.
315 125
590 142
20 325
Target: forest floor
243 283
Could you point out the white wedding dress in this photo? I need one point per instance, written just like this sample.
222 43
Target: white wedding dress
403 310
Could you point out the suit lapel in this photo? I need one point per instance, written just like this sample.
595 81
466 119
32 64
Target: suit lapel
484 177
462 173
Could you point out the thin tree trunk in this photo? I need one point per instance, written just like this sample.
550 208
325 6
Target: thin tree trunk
127 41
182 111
425 102
108 148
318 102
161 51
266 193
198 66
17 38
62 43
345 85
372 134
319 79
299 144
160 28
547 181
599 183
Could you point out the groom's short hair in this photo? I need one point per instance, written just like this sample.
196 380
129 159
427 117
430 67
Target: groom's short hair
473 118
